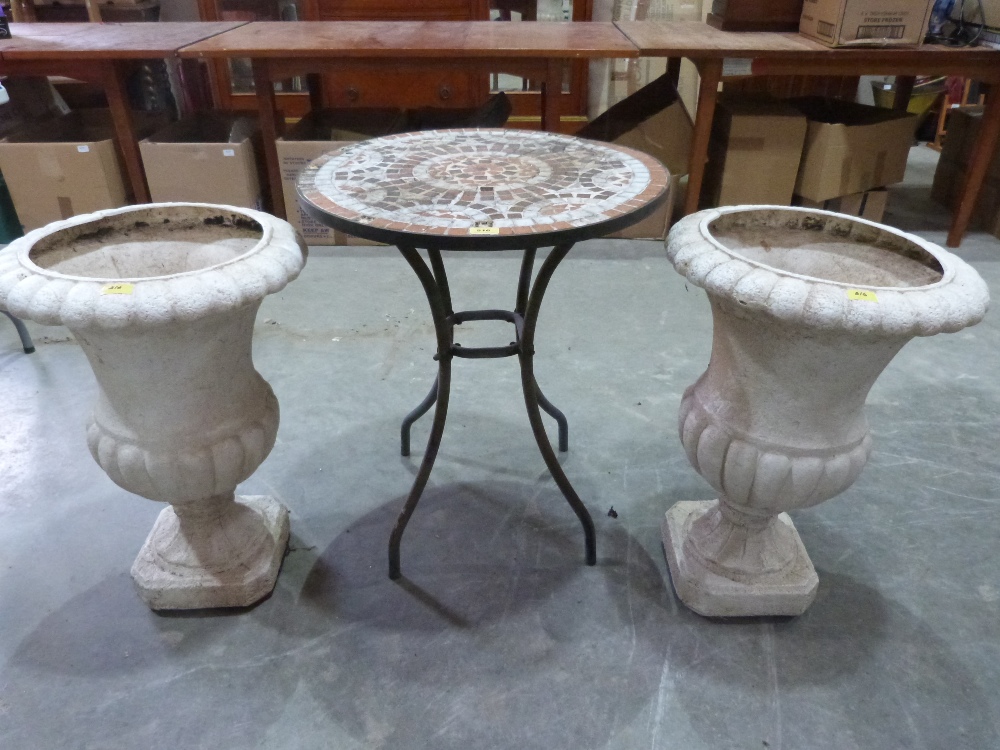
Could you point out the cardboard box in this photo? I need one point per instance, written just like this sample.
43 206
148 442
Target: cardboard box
209 158
851 148
841 23
65 166
869 205
310 138
656 122
754 152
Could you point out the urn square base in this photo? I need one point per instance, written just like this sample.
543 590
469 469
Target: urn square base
788 593
191 585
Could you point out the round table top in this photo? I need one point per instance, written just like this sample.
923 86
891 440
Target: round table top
482 188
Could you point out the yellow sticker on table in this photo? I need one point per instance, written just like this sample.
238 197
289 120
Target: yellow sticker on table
484 230
117 289
864 295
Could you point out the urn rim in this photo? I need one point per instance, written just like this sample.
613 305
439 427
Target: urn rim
51 297
959 298
31 240
943 257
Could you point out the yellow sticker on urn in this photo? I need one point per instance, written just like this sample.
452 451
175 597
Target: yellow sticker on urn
863 295
118 288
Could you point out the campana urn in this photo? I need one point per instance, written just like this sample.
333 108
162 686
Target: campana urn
162 299
808 308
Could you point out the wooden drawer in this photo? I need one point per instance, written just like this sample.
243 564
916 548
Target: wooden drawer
405 88
396 10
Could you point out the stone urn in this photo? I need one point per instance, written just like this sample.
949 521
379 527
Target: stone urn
162 299
808 308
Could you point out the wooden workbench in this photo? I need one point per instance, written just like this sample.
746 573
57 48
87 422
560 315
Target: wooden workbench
279 50
101 53
717 53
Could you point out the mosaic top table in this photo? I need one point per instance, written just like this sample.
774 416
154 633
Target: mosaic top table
483 190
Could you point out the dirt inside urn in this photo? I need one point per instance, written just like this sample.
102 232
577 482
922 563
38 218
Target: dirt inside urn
834 248
146 243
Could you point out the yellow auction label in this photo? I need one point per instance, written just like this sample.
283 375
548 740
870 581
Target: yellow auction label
117 288
864 295
484 230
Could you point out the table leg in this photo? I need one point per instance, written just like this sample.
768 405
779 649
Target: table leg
314 83
979 162
552 96
674 70
708 92
422 408
532 398
22 332
443 329
520 307
904 89
529 299
267 107
125 136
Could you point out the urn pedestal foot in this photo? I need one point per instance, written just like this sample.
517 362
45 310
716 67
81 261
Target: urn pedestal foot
788 591
222 553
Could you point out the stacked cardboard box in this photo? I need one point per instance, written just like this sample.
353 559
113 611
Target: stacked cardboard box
754 152
809 151
209 158
841 23
851 153
66 166
963 130
851 148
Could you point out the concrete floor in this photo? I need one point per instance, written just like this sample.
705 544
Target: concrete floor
499 636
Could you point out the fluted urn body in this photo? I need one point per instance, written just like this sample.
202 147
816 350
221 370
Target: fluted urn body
808 308
162 299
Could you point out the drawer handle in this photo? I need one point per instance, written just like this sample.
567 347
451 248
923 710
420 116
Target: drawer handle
444 92
353 94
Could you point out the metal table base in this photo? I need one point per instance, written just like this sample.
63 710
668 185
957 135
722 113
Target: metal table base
524 318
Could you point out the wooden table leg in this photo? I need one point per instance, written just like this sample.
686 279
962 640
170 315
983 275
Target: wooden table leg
125 136
708 92
552 96
268 108
979 161
314 84
904 88
674 70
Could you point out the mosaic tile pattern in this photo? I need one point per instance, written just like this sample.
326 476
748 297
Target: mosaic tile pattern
488 181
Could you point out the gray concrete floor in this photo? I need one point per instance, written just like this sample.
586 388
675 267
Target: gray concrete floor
499 636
